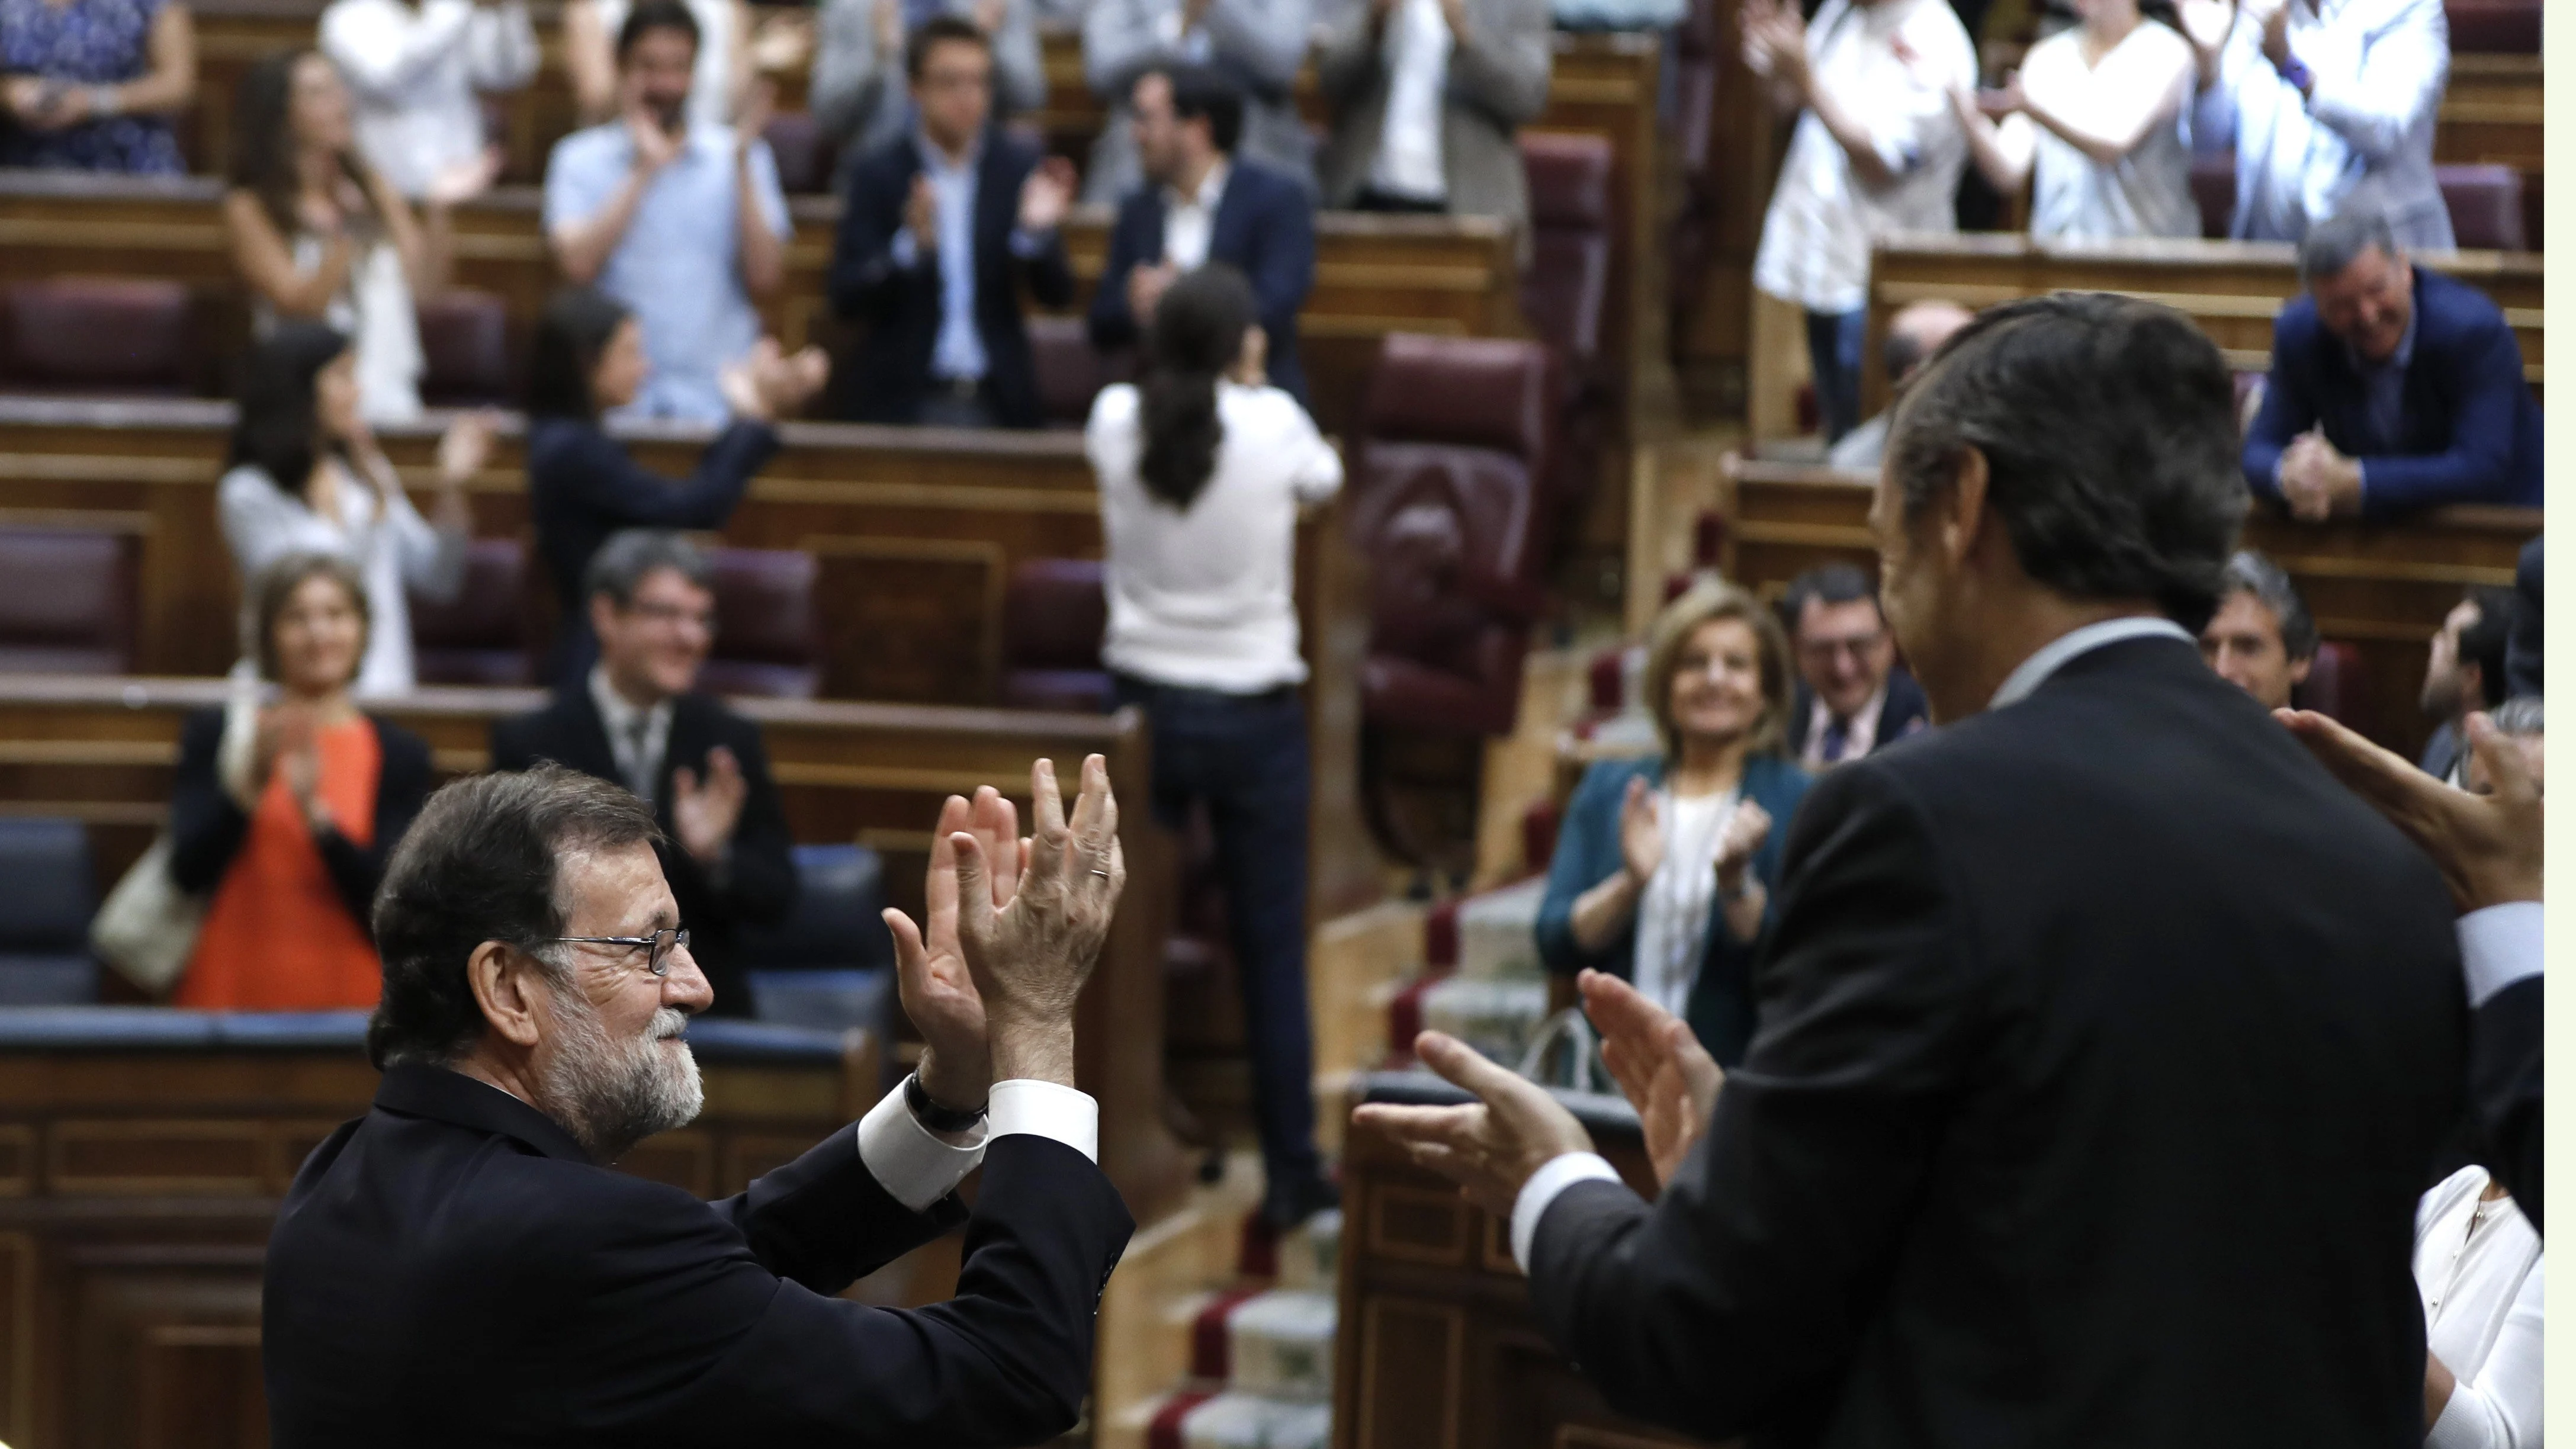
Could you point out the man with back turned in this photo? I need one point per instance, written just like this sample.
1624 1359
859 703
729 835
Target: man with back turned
2057 1127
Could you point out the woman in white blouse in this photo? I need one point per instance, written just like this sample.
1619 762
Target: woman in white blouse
2477 1263
1202 469
306 476
2094 120
418 69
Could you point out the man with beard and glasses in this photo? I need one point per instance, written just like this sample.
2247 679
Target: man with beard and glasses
681 221
463 1266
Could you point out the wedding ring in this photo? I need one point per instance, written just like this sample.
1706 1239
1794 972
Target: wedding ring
1104 875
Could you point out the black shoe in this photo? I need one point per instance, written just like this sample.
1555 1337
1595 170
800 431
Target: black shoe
1288 1204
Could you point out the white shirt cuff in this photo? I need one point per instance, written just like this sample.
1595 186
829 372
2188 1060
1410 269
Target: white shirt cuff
1043 1109
910 1161
1558 1174
2499 945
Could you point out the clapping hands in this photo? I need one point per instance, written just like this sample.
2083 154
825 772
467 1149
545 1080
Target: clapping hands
766 384
937 989
704 813
1047 195
1659 1065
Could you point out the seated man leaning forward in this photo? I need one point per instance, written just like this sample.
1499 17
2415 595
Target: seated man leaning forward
462 1265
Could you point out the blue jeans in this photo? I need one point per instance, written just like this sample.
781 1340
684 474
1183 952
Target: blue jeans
1245 756
1833 351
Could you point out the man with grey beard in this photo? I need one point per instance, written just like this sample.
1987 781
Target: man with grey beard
463 1266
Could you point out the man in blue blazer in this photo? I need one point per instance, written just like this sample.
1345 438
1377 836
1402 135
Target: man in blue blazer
1199 204
2393 388
939 231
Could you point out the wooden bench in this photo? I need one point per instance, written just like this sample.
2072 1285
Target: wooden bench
2232 289
2383 587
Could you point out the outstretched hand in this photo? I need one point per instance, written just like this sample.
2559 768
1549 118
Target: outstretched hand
2488 847
1029 955
1490 1147
931 977
1659 1064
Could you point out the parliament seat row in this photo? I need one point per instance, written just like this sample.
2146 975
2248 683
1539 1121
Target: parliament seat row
2489 208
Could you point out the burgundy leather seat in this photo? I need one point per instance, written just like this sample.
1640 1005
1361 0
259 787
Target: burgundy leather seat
481 635
1564 292
767 636
804 154
1053 618
1456 436
1070 372
465 350
2338 685
67 601
2486 206
99 334
2494 27
1699 69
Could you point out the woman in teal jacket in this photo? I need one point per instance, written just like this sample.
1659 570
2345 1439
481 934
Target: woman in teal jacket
1665 867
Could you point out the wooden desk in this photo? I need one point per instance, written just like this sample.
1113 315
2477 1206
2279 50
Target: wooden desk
1437 1345
2232 289
2383 587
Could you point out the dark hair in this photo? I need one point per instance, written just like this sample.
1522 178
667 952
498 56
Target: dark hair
651 15
938 28
631 553
275 428
2338 241
275 588
264 139
1197 333
480 864
2482 643
1833 583
2108 427
1200 91
571 334
2249 572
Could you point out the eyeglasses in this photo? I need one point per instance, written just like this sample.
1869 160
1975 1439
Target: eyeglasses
656 946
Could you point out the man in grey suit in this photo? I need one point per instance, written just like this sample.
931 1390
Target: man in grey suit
858 92
1426 96
1256 45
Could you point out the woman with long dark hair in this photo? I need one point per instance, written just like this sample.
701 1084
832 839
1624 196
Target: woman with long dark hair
582 485
1202 469
318 234
2096 120
305 476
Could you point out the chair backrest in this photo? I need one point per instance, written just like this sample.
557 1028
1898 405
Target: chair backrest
2338 685
45 912
465 350
67 601
2486 206
767 634
836 922
1567 283
804 154
1054 612
479 636
2494 27
1070 372
99 334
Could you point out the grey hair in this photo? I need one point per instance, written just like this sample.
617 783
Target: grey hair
2519 717
622 563
2338 241
2249 572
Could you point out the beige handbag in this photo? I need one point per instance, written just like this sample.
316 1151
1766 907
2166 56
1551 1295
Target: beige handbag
147 927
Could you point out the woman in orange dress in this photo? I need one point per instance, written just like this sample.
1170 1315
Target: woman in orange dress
290 828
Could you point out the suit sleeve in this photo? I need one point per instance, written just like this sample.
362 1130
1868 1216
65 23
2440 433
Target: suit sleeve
2478 465
2504 1088
402 784
1588 835
728 1352
2288 410
1742 1286
761 880
824 1221
866 276
1110 323
604 480
1283 261
206 825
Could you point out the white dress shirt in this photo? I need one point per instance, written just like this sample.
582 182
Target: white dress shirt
2478 1267
918 1167
414 75
1409 160
1817 234
2146 192
1674 914
1189 222
2499 946
639 736
1567 1169
1203 597
393 548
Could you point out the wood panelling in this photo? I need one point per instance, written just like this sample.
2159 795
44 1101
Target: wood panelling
2383 587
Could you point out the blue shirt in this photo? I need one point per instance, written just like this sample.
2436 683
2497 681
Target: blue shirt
679 266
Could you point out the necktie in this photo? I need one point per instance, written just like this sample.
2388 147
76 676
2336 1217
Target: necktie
640 768
1837 738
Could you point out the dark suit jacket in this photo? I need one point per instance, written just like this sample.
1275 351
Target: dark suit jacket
901 305
582 487
760 880
2105 1041
1264 226
2504 1089
452 1269
207 825
1905 712
2472 428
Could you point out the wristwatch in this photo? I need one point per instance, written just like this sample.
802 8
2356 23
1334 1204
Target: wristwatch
931 1114
102 102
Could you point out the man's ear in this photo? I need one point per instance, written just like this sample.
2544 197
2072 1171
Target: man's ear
603 612
1960 514
503 979
2299 670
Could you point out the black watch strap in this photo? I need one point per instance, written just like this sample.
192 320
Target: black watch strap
931 1114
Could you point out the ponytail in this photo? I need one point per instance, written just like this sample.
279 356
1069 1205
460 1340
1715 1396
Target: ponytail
1196 334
